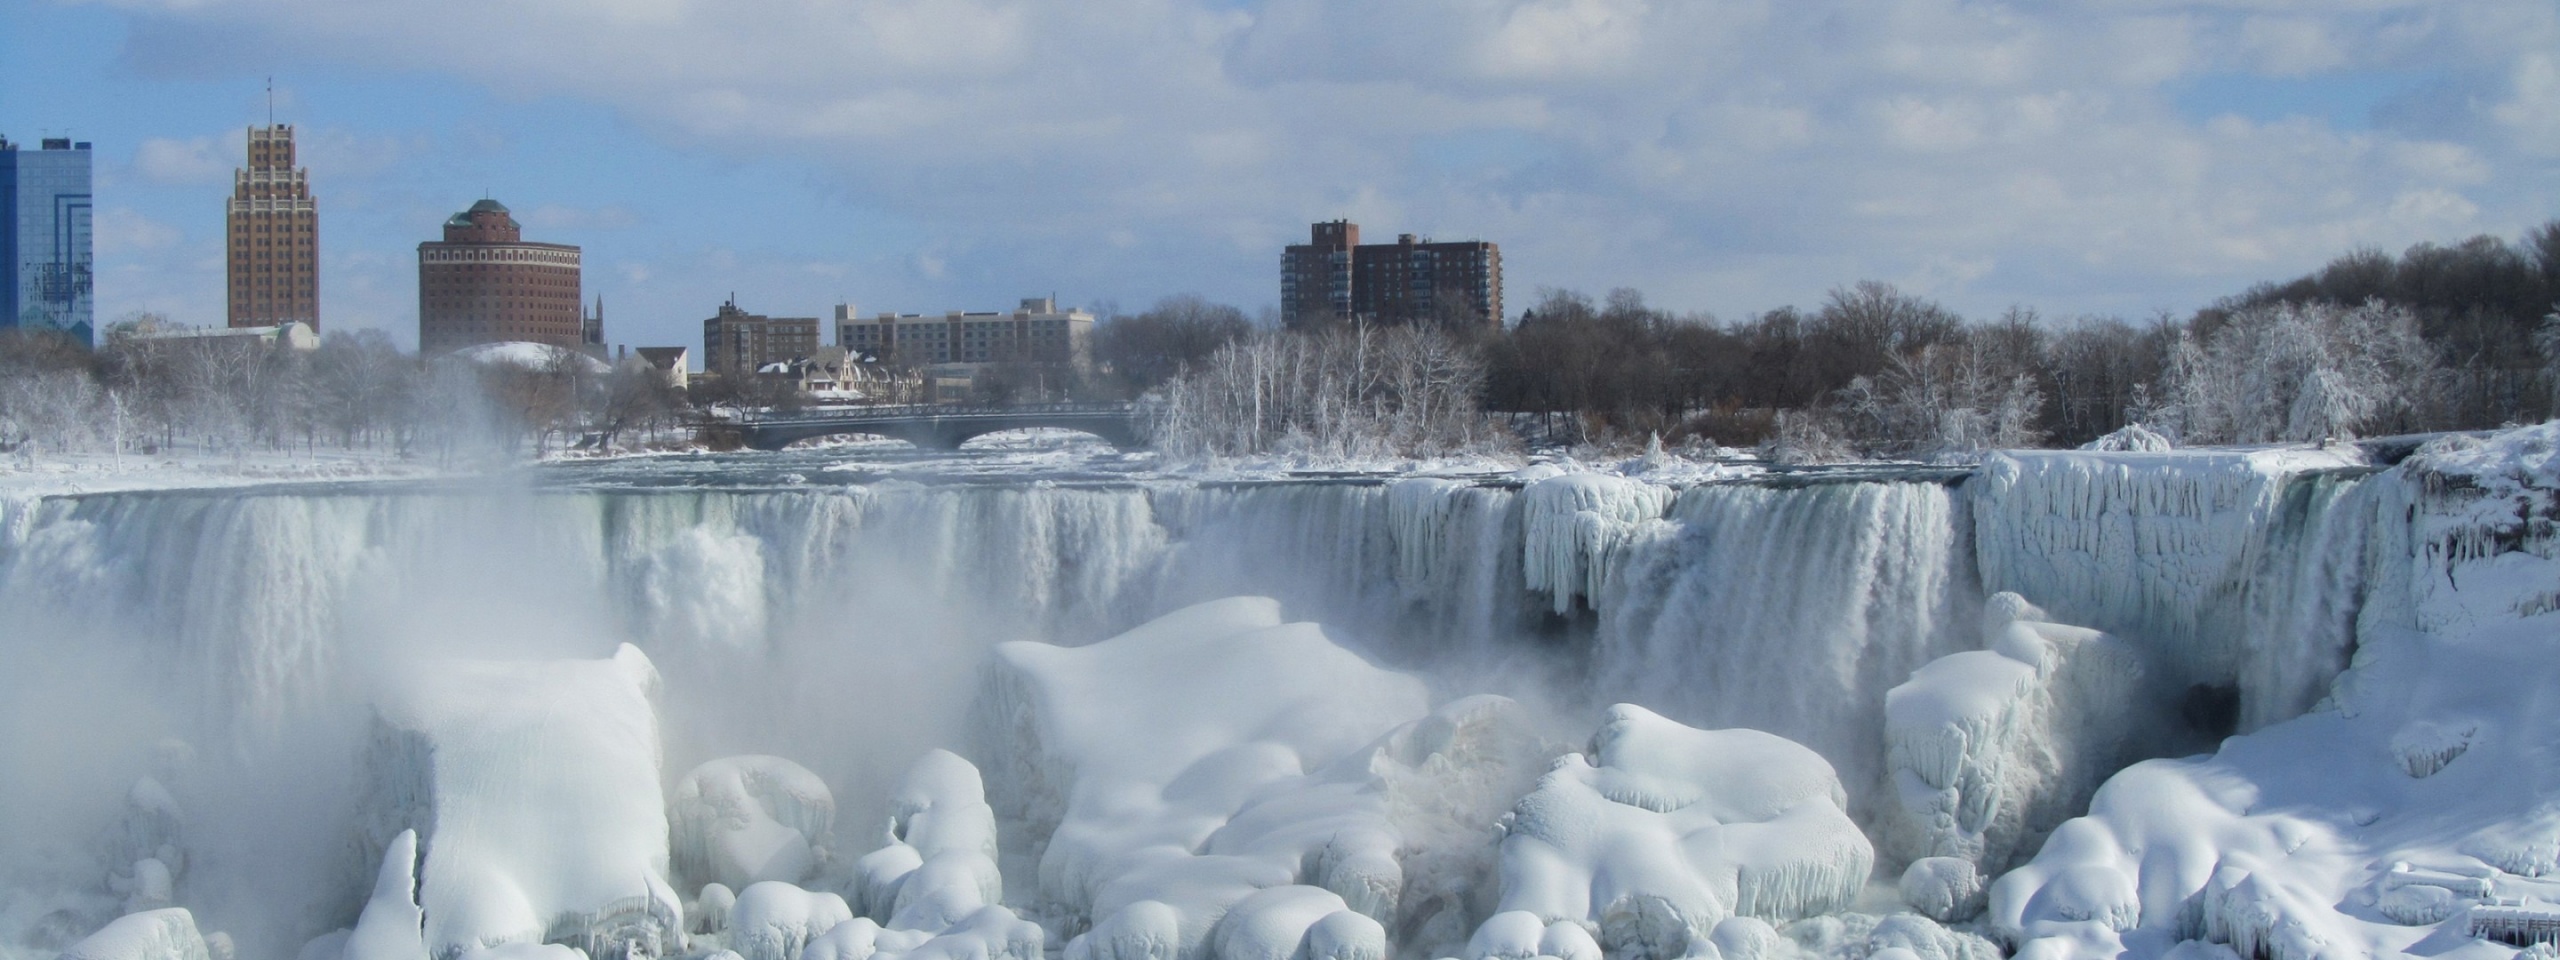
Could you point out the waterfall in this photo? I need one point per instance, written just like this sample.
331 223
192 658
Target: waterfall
845 627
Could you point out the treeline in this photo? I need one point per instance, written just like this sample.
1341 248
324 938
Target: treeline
357 391
2436 338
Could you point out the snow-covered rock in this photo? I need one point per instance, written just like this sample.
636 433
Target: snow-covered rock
1662 831
534 787
739 820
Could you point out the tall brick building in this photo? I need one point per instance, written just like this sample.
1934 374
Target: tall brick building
484 284
736 343
274 236
1335 278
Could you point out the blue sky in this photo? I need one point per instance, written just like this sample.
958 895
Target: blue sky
2111 156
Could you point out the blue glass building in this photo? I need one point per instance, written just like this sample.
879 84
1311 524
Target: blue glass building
44 238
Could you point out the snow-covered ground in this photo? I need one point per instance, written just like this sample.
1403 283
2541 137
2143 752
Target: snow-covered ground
1043 699
62 474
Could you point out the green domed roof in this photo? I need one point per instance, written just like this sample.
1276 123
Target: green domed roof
487 206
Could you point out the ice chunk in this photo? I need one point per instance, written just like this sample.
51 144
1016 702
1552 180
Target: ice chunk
738 820
392 927
1746 938
534 787
165 934
1665 830
774 920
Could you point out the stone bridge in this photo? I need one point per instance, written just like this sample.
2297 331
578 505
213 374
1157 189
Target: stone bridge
943 426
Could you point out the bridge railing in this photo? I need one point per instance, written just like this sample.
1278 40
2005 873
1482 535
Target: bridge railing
925 410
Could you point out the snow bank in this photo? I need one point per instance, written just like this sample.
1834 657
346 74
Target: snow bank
534 787
739 820
534 357
1990 749
2381 822
1663 830
166 934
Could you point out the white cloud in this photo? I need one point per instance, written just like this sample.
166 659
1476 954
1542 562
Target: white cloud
1740 153
552 216
196 160
123 230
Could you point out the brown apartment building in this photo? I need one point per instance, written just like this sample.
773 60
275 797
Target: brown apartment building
1334 278
273 225
735 343
484 284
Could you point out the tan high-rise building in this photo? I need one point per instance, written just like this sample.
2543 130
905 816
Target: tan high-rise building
274 236
485 284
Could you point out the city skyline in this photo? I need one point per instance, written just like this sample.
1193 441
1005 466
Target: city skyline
2074 160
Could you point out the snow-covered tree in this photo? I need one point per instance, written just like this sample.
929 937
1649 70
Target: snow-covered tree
2297 372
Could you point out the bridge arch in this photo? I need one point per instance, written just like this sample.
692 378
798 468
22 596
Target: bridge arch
941 428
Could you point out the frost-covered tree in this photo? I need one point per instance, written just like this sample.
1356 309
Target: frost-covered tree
1947 400
2298 372
1352 392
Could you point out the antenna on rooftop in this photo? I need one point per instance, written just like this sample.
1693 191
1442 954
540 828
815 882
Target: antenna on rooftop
271 100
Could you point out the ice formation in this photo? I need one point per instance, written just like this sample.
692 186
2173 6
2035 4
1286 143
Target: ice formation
164 934
1245 784
1250 786
392 927
2231 568
1789 610
739 820
2417 795
1662 831
939 866
773 920
1990 749
1572 523
534 787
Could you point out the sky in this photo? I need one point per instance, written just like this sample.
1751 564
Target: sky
2080 157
